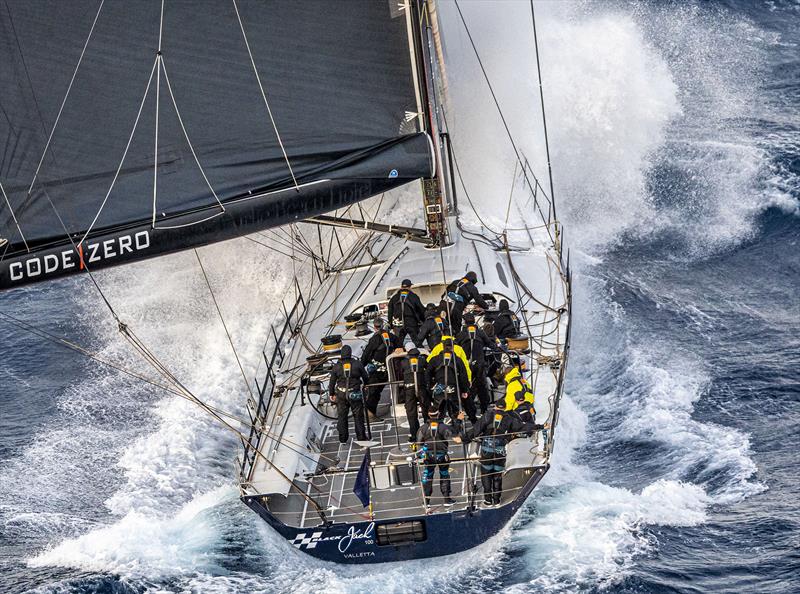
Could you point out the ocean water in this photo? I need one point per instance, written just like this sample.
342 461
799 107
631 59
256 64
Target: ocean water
676 154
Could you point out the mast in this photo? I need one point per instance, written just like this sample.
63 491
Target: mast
435 203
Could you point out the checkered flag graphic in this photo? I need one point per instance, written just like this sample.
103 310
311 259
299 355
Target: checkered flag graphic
310 542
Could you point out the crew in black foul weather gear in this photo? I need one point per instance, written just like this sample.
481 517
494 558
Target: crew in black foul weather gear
380 345
495 429
474 342
447 377
459 294
414 390
346 389
506 324
523 408
433 328
433 450
405 312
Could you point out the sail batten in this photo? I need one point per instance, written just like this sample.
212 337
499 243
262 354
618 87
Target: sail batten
245 99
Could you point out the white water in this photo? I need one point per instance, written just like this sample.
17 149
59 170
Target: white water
616 106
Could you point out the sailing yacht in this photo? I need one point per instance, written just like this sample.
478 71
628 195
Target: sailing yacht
296 474
137 131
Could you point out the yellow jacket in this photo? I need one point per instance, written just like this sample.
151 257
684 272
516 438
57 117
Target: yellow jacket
457 350
514 383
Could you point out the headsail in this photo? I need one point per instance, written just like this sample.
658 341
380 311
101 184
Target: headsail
149 128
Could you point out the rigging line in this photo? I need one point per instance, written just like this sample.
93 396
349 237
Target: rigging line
66 96
155 362
269 247
224 325
264 94
73 346
494 97
158 104
13 216
544 119
511 195
186 135
277 239
85 265
124 154
80 349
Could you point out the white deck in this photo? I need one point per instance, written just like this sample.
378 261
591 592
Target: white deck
298 441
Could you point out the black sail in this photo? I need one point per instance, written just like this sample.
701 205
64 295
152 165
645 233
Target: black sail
312 108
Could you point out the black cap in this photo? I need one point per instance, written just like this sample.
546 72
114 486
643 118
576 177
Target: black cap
471 277
405 283
346 352
519 395
503 305
413 351
469 318
500 403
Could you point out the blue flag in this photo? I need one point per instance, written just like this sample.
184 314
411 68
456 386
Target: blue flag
361 488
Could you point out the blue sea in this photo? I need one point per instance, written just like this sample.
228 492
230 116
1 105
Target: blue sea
675 134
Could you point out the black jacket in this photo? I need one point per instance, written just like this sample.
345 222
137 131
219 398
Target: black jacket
438 372
437 441
510 423
478 344
407 373
527 413
409 311
506 325
430 331
340 384
467 291
376 348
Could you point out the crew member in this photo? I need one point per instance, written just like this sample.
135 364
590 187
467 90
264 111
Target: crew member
448 378
459 294
414 390
474 342
380 345
405 312
433 449
434 326
516 382
506 324
493 355
495 429
523 408
346 389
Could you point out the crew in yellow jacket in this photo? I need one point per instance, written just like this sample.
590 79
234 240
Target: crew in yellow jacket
457 350
515 382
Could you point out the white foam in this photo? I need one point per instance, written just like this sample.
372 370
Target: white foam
590 535
139 545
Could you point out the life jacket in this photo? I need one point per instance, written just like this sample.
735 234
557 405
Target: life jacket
514 383
454 291
493 443
456 349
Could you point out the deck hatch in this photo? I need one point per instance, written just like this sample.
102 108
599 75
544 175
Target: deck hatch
401 533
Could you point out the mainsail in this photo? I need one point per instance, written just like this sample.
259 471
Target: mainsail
134 130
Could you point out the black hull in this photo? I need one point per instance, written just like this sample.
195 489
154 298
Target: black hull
355 543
